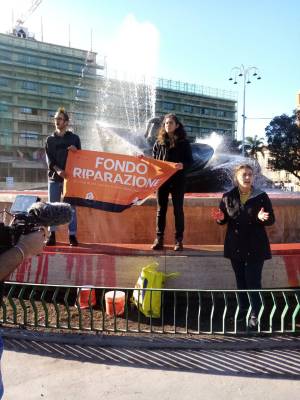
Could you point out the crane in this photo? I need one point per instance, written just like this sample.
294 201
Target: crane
26 14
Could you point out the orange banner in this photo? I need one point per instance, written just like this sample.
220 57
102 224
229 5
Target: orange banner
112 182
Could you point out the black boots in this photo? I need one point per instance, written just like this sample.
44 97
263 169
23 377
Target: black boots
158 244
51 239
178 245
73 241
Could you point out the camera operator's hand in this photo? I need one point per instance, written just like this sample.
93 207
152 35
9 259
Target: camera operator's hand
32 243
27 246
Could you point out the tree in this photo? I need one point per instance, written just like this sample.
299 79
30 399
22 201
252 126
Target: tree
283 136
253 146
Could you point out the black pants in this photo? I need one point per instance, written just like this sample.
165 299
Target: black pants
176 188
248 276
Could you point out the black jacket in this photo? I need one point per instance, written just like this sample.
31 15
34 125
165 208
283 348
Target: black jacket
56 151
180 153
246 238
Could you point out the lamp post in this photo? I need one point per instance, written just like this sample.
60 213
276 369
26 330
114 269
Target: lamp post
245 73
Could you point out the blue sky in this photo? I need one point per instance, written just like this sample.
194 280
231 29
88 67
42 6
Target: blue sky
192 41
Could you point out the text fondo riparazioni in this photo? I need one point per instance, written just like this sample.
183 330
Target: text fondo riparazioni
123 172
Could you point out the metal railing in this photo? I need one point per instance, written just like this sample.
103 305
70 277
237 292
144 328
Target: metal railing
188 312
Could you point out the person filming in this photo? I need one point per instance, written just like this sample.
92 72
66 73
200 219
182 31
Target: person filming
27 246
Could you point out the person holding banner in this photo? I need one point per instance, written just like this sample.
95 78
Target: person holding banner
172 145
57 147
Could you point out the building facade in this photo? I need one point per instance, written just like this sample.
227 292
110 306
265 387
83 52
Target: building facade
35 79
202 110
128 105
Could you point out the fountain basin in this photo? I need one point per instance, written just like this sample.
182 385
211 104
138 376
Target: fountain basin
115 247
137 224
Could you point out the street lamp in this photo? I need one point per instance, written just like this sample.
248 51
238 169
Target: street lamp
246 73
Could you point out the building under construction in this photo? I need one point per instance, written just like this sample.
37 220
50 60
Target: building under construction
37 77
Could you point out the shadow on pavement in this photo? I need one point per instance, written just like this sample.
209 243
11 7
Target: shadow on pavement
280 363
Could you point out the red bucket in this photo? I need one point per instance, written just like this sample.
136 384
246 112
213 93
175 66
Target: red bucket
115 302
86 297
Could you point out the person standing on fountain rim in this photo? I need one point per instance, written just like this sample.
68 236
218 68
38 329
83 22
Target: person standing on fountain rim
171 145
246 210
57 147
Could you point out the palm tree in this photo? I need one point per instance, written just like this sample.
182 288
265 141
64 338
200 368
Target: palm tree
253 146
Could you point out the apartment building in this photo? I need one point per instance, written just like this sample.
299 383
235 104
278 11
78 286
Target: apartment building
202 110
35 79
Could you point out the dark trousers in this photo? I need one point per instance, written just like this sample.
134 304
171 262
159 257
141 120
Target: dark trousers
177 192
248 276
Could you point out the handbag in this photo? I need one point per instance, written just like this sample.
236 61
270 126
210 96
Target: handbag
148 301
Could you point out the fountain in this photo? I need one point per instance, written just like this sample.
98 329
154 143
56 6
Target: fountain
211 170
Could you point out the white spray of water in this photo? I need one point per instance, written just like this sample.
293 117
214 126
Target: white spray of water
214 140
127 99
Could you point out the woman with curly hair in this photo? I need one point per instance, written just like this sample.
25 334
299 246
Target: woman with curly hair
172 145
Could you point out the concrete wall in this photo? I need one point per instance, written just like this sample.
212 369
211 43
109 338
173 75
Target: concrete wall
137 224
200 271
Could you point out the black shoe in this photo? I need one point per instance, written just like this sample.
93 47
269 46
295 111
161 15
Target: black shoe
178 246
73 241
51 239
158 244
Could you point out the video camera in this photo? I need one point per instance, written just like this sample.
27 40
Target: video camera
29 214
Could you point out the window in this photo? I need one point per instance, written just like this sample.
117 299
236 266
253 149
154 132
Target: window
77 68
30 85
187 108
26 110
168 106
3 82
57 64
205 131
4 107
55 89
5 55
5 139
229 114
29 59
29 135
82 93
220 113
